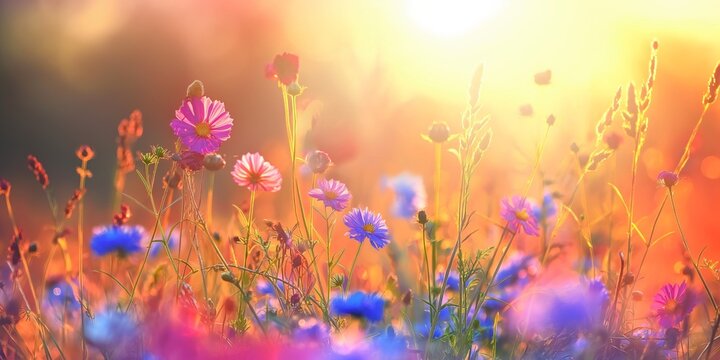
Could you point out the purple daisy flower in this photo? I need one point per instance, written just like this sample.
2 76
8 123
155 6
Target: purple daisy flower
202 124
672 304
518 213
332 193
363 223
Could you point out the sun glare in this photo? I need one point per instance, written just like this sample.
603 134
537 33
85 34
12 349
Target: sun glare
447 18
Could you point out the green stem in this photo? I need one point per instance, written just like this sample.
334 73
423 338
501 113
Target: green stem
352 267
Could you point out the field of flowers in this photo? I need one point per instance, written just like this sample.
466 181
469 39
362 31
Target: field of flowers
442 266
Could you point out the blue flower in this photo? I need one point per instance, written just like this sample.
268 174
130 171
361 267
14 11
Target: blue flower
423 328
110 330
545 210
311 330
60 294
410 195
359 304
453 282
363 223
266 288
157 246
122 239
515 270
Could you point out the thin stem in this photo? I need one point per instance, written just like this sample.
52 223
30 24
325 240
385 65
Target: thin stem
687 249
352 267
250 222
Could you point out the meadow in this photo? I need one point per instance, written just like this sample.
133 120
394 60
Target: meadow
471 237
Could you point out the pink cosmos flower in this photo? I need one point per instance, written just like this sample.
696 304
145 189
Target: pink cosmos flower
254 173
518 213
332 193
202 124
672 304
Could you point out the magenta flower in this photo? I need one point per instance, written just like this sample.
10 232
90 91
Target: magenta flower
284 68
518 213
332 193
202 124
254 173
672 304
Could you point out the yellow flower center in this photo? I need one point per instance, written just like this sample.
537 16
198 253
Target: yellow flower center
330 195
369 228
522 215
202 129
671 305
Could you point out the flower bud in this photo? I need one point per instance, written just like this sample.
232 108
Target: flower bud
196 89
637 295
422 217
295 89
85 153
4 187
318 161
228 277
439 132
628 279
550 120
667 178
214 162
407 298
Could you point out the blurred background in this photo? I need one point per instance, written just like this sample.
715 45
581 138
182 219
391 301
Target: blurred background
378 74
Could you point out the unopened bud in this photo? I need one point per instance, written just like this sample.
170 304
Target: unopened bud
196 89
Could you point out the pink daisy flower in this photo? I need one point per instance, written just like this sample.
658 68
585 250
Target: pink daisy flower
518 213
672 304
254 173
332 193
202 124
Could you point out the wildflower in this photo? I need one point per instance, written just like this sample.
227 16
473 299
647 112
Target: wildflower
667 178
284 68
123 216
360 305
202 124
254 173
545 210
295 89
332 193
363 223
157 246
173 179
672 304
410 195
123 239
422 328
39 171
191 160
311 330
713 86
517 212
110 330
60 294
318 161
439 132
453 281
266 288
214 162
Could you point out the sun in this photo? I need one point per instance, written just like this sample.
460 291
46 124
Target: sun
450 18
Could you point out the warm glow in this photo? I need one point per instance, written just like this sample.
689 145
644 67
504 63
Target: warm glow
451 17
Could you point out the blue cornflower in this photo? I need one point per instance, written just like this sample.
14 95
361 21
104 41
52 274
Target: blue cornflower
123 239
519 267
60 294
311 330
266 288
422 328
453 282
359 304
363 223
158 247
410 194
110 330
546 210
